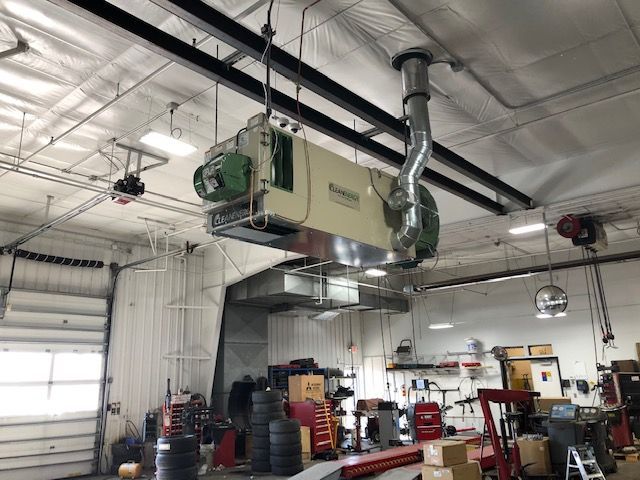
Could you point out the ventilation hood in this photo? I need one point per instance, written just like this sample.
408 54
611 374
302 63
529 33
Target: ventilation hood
295 294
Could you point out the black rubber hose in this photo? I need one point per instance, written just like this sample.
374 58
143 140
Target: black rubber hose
72 262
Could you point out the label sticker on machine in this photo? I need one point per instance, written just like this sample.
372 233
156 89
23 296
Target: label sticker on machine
635 378
164 446
243 139
546 376
232 214
344 196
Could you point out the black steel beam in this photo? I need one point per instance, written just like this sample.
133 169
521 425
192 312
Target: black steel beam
526 271
137 31
215 23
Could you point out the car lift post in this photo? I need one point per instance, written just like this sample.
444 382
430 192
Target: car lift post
507 462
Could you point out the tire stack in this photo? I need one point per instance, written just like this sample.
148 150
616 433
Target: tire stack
267 406
286 448
176 458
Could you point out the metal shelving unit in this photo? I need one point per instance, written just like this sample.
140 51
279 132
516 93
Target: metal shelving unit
278 377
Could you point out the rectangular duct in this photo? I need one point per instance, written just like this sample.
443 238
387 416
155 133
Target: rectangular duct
290 293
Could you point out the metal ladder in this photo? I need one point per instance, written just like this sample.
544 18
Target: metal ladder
585 462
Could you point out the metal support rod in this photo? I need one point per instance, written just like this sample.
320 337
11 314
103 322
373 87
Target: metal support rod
226 255
134 29
185 357
32 172
74 212
171 253
215 23
191 307
21 47
526 271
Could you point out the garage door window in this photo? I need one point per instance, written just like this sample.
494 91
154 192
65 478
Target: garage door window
48 383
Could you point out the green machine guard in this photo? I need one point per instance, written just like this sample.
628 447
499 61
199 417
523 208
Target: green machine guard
223 177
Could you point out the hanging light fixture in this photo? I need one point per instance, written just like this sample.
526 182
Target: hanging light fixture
526 222
169 143
551 300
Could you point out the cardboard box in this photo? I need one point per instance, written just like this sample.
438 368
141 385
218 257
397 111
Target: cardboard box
368 404
626 366
545 403
535 452
305 439
464 471
304 387
444 453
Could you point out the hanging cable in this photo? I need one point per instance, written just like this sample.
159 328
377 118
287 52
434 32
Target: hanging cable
13 269
413 324
350 321
384 350
175 132
603 298
593 325
596 301
268 33
17 158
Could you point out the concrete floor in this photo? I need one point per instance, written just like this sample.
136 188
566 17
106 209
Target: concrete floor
626 471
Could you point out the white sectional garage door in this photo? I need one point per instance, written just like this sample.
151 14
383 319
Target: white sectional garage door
51 370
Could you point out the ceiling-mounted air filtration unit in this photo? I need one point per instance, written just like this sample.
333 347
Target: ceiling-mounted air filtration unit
583 232
265 186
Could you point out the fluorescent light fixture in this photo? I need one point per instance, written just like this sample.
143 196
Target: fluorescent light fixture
328 315
440 326
167 143
546 315
533 227
375 272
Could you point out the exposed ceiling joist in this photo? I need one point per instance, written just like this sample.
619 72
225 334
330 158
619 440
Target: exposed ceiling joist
137 31
236 35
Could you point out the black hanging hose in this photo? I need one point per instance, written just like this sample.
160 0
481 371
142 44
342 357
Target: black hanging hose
72 262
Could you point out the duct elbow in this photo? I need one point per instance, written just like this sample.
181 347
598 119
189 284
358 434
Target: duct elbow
406 237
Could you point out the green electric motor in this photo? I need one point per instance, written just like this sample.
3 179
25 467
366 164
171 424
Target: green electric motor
223 177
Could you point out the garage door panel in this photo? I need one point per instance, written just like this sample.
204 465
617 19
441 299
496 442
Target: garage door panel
44 446
52 354
27 301
48 430
22 334
83 455
59 470
54 319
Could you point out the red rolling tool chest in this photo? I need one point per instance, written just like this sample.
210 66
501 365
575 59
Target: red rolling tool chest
428 421
316 416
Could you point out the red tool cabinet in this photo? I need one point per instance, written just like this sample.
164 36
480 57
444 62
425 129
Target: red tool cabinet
428 421
316 416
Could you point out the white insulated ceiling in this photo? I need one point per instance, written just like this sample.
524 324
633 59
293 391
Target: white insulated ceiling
549 100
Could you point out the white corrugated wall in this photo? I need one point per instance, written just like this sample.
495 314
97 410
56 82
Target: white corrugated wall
148 335
292 337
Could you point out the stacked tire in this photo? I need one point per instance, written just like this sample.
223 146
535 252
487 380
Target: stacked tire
285 455
176 458
267 406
